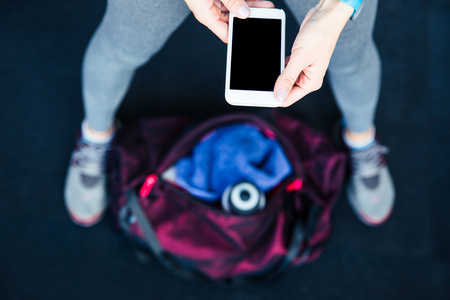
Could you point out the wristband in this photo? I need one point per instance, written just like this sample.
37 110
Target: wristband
357 5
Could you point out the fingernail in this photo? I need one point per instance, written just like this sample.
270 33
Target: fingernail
243 12
281 95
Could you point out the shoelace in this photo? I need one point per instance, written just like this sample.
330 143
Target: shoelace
91 157
369 161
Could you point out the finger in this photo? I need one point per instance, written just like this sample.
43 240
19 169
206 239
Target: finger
304 85
219 28
289 76
225 17
286 60
296 93
252 3
238 7
260 4
220 6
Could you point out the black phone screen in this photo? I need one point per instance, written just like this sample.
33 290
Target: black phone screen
255 54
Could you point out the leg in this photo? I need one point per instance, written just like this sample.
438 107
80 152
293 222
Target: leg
355 78
355 74
355 71
131 32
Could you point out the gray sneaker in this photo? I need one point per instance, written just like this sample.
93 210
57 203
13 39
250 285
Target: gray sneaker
85 188
371 190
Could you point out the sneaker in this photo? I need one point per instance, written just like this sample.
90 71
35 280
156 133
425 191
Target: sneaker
370 191
85 188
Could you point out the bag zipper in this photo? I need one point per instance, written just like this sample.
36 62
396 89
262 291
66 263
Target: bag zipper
293 184
148 185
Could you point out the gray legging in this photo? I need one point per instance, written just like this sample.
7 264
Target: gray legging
132 31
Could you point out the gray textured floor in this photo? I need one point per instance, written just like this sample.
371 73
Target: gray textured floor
44 256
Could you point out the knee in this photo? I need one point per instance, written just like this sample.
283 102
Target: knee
128 49
129 38
354 57
133 31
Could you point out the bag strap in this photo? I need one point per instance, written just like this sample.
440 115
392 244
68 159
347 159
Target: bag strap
152 241
299 236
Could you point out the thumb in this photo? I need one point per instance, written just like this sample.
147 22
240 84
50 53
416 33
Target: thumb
288 77
238 7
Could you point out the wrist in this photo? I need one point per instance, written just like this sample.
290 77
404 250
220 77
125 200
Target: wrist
339 10
334 14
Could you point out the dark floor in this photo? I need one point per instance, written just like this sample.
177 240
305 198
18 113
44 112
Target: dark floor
44 256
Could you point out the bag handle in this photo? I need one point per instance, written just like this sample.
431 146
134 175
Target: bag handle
183 146
152 240
299 236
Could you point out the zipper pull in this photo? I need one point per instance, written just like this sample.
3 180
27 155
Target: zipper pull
148 185
295 185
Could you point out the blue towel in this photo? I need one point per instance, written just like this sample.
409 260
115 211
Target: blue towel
229 155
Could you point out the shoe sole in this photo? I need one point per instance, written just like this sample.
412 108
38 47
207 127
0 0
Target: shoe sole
369 221
86 222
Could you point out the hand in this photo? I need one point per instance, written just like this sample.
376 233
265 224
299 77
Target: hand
214 14
312 50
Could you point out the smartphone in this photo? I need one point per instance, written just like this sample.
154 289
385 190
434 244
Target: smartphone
255 57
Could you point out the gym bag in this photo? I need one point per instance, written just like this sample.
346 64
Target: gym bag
203 242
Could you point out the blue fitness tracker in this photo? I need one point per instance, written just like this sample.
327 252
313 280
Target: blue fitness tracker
357 5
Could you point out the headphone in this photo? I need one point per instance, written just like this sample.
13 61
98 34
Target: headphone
243 198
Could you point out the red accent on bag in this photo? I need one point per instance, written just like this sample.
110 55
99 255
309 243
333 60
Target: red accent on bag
148 185
295 185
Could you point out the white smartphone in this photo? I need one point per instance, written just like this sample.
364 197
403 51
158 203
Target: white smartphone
255 57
